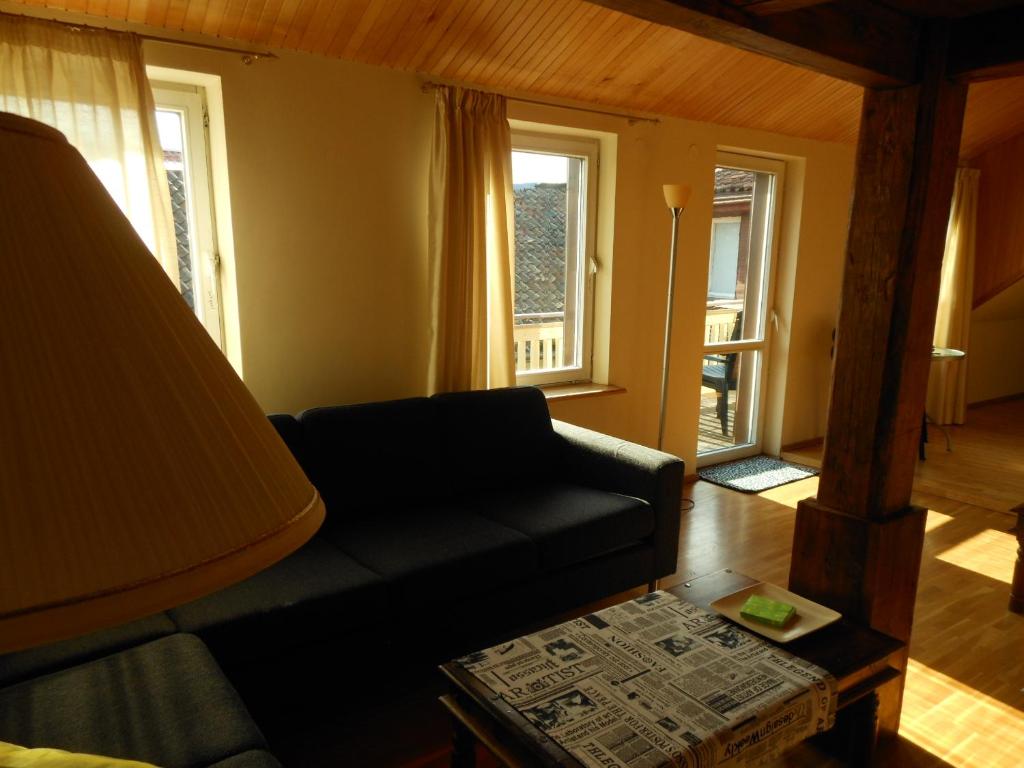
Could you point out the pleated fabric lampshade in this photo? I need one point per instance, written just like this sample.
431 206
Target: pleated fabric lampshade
136 470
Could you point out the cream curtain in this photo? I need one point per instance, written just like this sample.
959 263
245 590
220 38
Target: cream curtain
91 85
947 382
471 243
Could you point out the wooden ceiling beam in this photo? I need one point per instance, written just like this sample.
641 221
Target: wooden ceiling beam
766 7
864 43
988 46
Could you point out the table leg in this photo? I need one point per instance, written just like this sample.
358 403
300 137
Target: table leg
855 734
463 745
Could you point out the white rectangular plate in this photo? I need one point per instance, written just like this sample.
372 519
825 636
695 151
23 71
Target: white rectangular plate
809 615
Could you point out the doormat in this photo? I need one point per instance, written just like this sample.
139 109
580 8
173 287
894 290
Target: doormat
755 474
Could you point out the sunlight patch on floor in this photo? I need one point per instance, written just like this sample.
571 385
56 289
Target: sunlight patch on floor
935 519
958 724
989 553
789 495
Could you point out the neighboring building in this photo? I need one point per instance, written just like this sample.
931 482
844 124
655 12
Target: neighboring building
540 251
730 237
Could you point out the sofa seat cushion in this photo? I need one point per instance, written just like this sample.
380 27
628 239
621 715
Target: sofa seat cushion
22 665
437 554
316 591
165 702
569 523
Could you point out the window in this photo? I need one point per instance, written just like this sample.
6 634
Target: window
723 270
181 119
555 186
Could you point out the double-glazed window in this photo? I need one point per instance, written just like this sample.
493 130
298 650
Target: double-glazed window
555 182
181 119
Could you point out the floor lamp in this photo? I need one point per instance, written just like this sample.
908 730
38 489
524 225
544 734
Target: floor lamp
676 197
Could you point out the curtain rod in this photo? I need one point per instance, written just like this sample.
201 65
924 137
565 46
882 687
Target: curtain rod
248 56
430 86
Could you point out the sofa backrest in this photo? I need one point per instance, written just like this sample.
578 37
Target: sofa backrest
371 454
374 455
495 438
290 430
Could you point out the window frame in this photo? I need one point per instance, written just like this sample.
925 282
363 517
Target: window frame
588 149
190 102
762 341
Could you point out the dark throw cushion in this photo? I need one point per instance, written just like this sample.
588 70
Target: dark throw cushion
15 667
372 454
492 436
165 702
437 554
569 523
315 592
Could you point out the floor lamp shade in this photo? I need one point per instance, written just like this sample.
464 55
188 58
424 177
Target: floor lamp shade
136 470
676 195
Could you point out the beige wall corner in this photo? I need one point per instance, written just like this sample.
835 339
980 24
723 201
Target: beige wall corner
995 357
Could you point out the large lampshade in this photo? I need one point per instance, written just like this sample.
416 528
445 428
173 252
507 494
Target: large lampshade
136 470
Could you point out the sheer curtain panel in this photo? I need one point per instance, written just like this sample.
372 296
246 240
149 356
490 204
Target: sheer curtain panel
471 242
947 382
91 86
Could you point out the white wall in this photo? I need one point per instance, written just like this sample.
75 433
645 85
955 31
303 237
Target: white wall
995 356
328 169
328 164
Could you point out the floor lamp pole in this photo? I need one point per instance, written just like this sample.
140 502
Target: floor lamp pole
670 303
676 197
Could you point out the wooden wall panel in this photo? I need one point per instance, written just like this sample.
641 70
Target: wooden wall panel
999 248
995 113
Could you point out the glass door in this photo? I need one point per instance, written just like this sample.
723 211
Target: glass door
739 300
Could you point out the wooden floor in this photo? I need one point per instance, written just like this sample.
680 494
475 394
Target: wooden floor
964 701
985 466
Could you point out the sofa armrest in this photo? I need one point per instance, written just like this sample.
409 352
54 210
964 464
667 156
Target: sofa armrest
612 464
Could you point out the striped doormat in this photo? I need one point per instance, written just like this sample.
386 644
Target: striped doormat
756 474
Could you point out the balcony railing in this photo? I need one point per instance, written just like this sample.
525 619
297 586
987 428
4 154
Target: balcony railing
538 338
719 323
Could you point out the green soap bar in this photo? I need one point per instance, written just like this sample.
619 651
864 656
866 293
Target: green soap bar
767 611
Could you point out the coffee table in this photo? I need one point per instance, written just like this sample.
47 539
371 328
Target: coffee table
859 658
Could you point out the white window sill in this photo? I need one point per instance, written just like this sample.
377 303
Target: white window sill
575 391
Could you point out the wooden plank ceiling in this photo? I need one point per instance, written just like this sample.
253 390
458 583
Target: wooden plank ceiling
565 50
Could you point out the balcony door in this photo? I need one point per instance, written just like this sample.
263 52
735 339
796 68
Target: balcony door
737 328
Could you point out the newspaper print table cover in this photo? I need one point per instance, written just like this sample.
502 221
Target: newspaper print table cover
656 682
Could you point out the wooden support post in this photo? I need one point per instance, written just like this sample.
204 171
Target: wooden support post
857 547
1017 588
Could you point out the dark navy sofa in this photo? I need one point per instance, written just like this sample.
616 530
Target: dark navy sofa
475 507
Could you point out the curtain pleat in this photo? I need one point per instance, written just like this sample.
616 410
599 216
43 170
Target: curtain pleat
91 85
471 241
947 381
